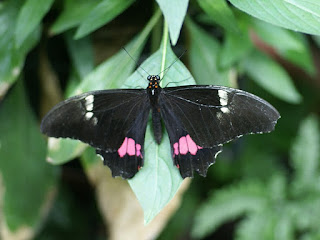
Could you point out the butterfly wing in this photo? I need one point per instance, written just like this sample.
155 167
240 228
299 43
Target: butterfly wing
112 121
205 117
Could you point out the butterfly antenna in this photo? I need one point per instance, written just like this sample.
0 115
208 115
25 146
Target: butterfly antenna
167 68
136 63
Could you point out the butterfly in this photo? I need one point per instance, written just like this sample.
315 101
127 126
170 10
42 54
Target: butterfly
198 119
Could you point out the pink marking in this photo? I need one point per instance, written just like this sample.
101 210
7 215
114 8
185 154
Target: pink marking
129 147
192 146
131 150
123 149
138 149
185 145
176 149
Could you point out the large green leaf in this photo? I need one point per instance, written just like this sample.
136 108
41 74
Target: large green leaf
220 12
203 54
29 18
234 48
103 13
12 58
83 60
271 76
293 46
297 15
74 12
28 180
110 74
174 13
157 182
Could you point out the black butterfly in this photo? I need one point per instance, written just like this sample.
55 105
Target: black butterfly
198 119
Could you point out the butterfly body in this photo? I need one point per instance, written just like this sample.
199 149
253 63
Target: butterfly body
198 119
154 91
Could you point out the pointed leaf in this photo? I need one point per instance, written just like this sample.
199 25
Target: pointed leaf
297 15
234 48
220 12
203 54
81 52
30 17
293 46
12 58
158 181
271 76
28 180
174 13
103 13
73 14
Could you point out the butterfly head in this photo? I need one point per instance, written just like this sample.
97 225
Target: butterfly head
153 81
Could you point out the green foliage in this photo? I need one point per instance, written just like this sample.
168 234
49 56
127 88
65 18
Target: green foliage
174 13
297 15
275 209
267 186
22 165
274 79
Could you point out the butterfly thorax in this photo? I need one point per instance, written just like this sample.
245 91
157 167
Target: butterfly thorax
154 90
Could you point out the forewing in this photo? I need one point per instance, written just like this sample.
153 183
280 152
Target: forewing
112 121
214 115
205 117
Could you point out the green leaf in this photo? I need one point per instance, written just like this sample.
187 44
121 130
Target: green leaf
297 15
28 180
284 228
29 18
306 148
228 204
103 13
234 48
293 46
116 70
305 215
174 13
81 52
62 150
271 76
73 14
220 12
12 58
157 182
89 157
203 54
257 226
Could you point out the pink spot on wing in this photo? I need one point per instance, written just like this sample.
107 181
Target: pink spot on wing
130 147
185 145
138 149
123 149
192 146
176 149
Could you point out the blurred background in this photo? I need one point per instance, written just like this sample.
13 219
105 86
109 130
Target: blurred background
261 186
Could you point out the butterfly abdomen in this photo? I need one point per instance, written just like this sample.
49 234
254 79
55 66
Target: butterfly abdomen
156 124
